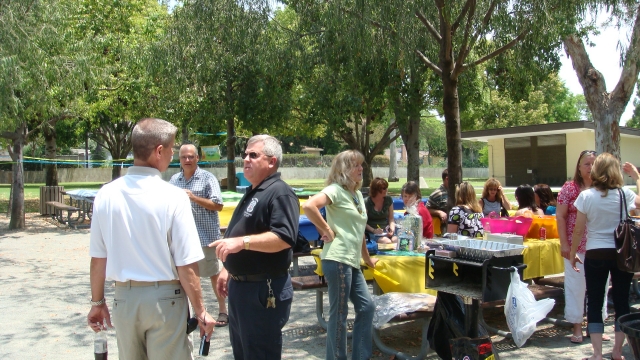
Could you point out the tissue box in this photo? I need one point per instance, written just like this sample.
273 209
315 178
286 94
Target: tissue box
506 238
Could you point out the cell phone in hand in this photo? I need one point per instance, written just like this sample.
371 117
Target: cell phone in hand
204 346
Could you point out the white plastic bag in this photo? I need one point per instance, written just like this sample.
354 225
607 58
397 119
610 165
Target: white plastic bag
523 311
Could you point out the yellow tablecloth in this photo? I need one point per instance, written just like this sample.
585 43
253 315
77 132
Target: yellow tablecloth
406 273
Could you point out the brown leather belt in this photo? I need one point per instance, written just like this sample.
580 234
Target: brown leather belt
134 283
259 277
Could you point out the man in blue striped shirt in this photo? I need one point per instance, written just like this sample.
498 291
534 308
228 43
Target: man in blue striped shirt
203 190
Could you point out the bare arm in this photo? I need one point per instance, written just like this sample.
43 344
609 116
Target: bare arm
98 313
439 213
392 221
190 281
312 210
578 231
632 171
205 203
267 242
505 202
561 220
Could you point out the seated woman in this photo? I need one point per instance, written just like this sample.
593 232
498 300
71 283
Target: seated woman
527 201
544 199
380 222
493 199
410 197
464 218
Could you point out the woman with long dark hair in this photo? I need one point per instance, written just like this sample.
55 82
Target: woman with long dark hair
527 201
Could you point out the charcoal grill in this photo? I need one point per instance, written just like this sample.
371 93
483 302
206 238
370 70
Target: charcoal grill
475 279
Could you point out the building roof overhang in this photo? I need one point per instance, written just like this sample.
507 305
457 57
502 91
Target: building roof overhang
542 129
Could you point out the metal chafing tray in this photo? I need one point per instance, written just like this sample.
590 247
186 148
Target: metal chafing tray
479 250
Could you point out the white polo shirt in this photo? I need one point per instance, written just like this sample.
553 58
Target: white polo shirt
143 225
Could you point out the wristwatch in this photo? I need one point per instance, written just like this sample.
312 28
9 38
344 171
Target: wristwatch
246 241
97 303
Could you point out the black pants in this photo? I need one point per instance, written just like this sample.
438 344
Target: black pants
255 331
596 272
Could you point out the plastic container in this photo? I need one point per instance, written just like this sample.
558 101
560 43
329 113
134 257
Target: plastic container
546 221
630 325
518 225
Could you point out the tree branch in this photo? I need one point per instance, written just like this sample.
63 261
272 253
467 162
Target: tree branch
429 27
431 65
496 52
629 76
462 14
464 48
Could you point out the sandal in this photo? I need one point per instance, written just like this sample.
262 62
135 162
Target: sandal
223 320
576 339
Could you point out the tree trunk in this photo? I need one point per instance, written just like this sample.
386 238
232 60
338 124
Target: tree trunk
231 140
50 151
393 163
412 144
451 108
606 108
17 181
116 170
367 172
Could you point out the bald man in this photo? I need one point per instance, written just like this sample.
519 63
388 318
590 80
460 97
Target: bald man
203 190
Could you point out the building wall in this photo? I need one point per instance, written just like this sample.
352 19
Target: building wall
576 143
630 150
497 160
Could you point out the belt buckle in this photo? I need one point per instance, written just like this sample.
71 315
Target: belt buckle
234 277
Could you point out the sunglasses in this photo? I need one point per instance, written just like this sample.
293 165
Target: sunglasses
588 152
357 203
254 155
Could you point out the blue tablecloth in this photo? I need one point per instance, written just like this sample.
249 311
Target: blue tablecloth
310 232
399 205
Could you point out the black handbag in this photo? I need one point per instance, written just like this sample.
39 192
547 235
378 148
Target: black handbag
627 239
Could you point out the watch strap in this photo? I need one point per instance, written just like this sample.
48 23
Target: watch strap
97 303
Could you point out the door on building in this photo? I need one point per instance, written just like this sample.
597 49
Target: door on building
535 159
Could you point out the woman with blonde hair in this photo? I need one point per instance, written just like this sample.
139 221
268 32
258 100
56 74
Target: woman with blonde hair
464 218
493 199
599 209
344 245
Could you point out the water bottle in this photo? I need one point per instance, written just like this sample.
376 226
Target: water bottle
100 345
487 230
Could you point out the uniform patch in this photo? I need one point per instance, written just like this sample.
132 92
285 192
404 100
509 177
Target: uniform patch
252 205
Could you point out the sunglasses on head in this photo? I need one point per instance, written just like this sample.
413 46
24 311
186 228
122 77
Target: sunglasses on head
588 152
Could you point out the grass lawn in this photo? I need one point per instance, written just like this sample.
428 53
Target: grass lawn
32 191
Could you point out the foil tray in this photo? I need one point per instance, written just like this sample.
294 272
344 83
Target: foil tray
480 250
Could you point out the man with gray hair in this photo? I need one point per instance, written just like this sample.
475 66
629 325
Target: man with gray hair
143 237
256 252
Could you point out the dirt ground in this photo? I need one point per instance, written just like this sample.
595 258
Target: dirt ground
44 272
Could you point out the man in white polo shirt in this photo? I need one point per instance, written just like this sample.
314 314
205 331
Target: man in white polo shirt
144 237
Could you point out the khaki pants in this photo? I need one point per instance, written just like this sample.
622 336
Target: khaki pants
151 322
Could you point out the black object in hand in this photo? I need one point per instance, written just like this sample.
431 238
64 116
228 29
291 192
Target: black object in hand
204 346
192 324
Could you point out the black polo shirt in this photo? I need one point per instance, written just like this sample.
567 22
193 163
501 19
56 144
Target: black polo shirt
271 206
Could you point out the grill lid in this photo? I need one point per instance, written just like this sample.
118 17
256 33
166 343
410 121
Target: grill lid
480 250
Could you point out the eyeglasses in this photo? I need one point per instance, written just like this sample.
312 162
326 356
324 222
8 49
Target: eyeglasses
254 155
187 157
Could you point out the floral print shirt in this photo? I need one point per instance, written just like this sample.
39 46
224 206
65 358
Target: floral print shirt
567 196
468 222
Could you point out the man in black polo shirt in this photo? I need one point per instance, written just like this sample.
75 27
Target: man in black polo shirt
256 253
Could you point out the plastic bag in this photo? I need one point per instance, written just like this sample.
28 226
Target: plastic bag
523 311
394 303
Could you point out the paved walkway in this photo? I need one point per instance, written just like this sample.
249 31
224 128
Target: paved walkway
44 272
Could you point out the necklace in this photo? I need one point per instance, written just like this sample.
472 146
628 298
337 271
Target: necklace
356 203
